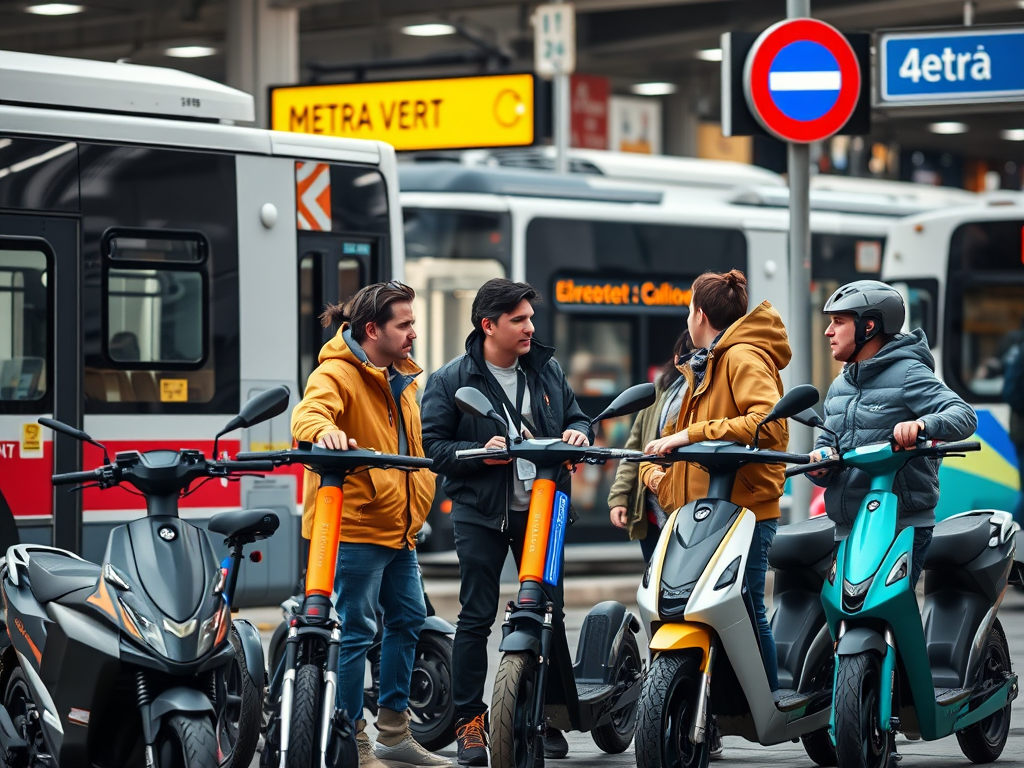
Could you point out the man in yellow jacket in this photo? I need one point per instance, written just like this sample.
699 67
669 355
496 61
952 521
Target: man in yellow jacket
363 394
734 382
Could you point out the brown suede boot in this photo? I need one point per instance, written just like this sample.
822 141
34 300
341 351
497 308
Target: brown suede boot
367 758
396 745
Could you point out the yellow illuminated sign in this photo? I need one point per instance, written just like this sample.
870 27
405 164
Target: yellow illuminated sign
452 113
626 293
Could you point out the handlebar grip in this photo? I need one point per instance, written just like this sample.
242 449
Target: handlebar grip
965 446
246 466
417 462
68 478
249 457
481 453
813 467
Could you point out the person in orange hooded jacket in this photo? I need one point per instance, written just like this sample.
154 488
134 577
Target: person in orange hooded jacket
363 394
734 382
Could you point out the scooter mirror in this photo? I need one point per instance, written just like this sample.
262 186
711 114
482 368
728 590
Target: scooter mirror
798 399
634 399
473 402
64 429
266 405
809 419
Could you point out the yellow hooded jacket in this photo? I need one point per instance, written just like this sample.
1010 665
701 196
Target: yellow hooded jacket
386 507
740 387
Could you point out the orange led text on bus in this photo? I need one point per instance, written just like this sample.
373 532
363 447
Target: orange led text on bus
649 294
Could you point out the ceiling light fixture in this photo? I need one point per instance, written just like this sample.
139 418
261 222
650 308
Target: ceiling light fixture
190 51
428 30
710 54
55 9
1012 134
948 128
653 89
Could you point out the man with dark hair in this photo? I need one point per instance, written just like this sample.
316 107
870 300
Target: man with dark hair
490 497
363 393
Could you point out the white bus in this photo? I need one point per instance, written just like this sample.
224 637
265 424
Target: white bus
158 266
962 272
587 241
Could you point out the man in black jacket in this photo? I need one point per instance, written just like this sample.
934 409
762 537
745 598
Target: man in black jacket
490 497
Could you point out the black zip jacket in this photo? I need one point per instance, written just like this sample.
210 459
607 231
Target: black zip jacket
479 492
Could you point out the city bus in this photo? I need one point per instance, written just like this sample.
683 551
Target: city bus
614 259
962 274
159 265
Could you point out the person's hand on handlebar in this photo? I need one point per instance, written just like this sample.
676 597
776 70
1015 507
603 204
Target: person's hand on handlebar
575 437
820 454
336 441
664 445
619 516
905 433
496 442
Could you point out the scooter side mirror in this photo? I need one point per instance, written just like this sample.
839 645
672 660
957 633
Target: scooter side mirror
634 399
264 406
473 402
809 419
65 429
798 399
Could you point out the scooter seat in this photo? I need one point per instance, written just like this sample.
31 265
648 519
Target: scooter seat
245 525
803 544
957 541
52 575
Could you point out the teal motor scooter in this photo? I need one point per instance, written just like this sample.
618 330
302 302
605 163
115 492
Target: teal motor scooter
949 673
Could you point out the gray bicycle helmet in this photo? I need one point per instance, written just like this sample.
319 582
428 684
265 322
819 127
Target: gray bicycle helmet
869 300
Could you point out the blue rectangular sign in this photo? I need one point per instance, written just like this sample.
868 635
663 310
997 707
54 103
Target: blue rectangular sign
973 64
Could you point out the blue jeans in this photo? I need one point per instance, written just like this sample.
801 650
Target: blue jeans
369 575
754 576
1018 513
922 540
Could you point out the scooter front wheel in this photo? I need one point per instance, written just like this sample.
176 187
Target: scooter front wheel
187 741
514 739
304 731
668 705
614 737
240 718
860 740
983 742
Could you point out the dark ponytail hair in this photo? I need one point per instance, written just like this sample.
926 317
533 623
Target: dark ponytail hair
372 304
722 297
669 372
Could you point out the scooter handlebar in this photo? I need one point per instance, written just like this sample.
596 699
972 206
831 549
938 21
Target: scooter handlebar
813 467
70 478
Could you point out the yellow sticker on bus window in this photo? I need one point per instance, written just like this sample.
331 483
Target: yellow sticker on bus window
173 390
31 439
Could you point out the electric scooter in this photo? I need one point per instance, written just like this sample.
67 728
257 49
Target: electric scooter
699 617
950 673
304 729
431 706
120 663
537 683
244 682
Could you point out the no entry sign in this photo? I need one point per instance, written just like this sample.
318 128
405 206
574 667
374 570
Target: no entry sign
802 80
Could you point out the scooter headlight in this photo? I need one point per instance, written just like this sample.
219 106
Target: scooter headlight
144 627
728 575
214 629
899 571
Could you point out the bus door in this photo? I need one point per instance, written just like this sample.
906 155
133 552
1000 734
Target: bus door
40 375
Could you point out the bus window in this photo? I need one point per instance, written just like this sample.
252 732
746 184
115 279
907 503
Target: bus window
324 278
921 298
444 234
600 363
155 319
985 304
24 327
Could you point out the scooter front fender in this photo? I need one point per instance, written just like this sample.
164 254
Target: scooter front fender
178 699
678 637
859 640
252 649
439 625
520 640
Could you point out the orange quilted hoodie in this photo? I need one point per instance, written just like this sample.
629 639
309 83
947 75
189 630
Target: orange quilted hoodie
382 506
740 387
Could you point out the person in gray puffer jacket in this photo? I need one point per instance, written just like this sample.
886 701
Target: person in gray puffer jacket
887 389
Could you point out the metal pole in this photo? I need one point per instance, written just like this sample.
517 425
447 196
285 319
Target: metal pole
969 8
562 118
799 326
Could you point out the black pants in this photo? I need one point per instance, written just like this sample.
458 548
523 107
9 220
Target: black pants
482 553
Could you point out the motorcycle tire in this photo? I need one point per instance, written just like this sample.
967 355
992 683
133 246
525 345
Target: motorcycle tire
514 740
668 704
238 725
304 736
860 740
430 696
818 747
187 741
614 737
983 742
